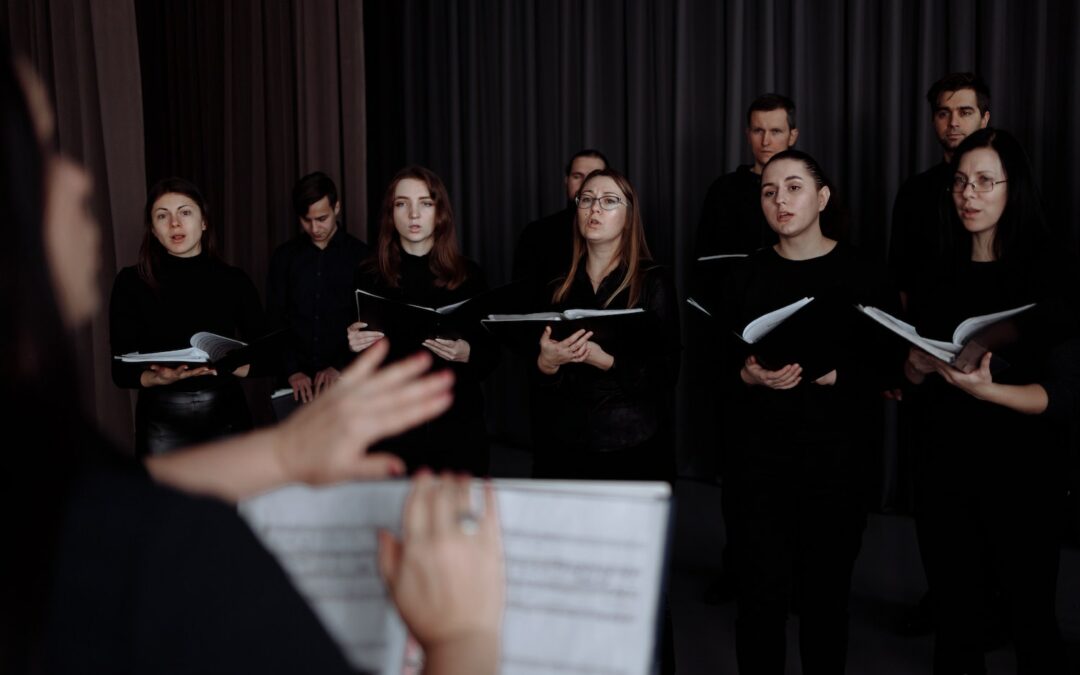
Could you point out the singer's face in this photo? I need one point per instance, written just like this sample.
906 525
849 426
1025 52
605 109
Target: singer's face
790 198
596 224
414 215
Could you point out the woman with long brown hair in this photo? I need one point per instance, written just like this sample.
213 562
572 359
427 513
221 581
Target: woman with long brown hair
603 410
417 261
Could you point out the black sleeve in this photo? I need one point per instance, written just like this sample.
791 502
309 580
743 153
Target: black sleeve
655 364
250 320
126 327
707 240
483 349
277 309
214 600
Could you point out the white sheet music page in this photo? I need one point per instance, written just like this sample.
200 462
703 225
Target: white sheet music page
583 562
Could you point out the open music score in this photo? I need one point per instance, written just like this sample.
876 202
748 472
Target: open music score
584 562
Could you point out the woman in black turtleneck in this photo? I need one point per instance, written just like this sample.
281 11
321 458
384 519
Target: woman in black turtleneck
178 288
417 261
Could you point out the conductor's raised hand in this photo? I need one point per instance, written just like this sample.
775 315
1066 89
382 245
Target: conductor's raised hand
553 354
327 440
360 339
787 377
159 376
446 573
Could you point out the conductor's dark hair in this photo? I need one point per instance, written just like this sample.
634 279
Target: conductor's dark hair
312 188
151 252
41 414
586 152
956 82
834 221
768 103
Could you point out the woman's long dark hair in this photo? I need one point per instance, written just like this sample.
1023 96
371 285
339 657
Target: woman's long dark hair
445 260
41 412
833 219
151 251
633 251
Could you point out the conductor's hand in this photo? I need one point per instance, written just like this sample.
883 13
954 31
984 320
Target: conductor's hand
159 376
787 377
446 573
574 349
360 339
327 440
450 350
919 364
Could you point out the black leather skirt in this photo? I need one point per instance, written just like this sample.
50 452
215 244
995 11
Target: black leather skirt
167 420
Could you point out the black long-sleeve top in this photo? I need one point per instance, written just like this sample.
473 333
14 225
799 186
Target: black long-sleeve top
147 579
458 438
861 355
310 291
582 407
195 294
976 433
731 219
918 240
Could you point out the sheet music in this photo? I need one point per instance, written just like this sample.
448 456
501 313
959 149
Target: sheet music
583 565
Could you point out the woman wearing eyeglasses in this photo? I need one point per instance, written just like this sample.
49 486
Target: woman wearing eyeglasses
990 475
417 261
602 410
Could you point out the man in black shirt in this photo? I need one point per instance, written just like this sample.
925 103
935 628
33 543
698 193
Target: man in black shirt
959 105
546 245
310 288
731 221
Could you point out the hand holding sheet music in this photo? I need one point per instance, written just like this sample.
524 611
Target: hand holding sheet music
583 565
971 339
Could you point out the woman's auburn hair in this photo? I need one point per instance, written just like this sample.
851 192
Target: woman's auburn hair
445 260
633 251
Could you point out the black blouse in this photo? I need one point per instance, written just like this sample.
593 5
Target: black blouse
583 407
458 439
195 294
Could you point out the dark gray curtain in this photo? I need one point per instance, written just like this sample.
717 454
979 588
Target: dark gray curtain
87 54
245 97
494 96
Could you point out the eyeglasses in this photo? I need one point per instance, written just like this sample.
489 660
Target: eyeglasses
607 202
980 184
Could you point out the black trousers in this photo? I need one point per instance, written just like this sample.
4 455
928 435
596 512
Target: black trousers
994 518
168 420
800 513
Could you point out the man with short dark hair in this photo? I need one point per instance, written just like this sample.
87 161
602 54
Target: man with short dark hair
310 288
959 106
732 220
545 247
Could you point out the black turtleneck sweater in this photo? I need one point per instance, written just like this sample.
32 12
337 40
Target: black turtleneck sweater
194 294
458 439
